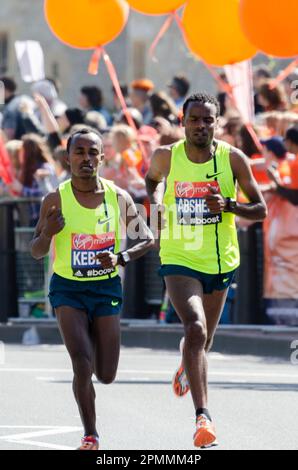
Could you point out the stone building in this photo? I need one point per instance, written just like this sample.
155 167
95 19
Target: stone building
24 19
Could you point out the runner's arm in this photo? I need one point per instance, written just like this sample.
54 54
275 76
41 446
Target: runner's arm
158 171
135 225
256 209
50 222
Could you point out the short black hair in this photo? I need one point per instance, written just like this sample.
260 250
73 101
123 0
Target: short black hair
181 84
9 84
262 71
201 98
84 131
292 135
94 95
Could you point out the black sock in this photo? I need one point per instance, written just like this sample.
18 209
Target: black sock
203 411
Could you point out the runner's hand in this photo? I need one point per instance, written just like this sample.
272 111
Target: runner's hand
107 259
215 202
54 222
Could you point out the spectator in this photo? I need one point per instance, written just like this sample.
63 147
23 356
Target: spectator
125 144
91 100
163 106
178 89
69 118
61 164
261 74
125 93
135 114
49 90
272 99
38 175
12 119
139 96
14 150
96 120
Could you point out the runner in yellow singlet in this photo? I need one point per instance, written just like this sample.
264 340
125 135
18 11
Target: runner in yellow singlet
192 185
83 219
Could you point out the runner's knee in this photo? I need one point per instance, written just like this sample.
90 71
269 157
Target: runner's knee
105 378
196 334
82 366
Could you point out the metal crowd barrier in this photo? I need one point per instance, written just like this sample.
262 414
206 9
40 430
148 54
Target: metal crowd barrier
24 281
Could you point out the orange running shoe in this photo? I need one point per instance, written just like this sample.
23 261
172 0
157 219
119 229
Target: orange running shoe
205 434
180 382
89 443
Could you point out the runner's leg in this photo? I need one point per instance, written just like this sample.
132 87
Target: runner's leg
74 327
106 346
186 295
213 306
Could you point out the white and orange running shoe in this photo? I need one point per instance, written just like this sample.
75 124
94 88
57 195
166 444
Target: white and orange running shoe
89 443
205 435
180 383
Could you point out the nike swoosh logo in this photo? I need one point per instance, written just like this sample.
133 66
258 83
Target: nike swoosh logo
225 280
212 176
104 221
115 303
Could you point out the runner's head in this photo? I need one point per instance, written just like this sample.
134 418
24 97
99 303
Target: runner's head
200 117
85 153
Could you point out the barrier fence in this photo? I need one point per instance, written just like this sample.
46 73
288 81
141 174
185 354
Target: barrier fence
24 281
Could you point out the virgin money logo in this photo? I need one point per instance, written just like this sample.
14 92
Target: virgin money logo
83 242
185 189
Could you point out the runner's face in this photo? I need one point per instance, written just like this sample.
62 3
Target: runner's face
85 155
200 123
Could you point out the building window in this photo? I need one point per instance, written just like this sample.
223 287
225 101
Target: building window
3 53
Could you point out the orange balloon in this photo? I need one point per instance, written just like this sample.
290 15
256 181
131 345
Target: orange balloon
155 7
86 24
271 25
213 32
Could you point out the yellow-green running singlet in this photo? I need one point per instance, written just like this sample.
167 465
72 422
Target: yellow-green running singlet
193 237
85 234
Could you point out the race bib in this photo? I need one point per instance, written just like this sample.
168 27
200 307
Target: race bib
191 206
84 249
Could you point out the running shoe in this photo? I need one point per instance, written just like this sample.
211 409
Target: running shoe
180 382
204 436
89 443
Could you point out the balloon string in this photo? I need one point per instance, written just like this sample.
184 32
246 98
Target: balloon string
284 74
254 136
222 84
6 172
161 33
114 79
94 61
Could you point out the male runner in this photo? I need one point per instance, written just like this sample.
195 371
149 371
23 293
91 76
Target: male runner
193 187
83 218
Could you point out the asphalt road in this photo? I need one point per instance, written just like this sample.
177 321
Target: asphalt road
253 401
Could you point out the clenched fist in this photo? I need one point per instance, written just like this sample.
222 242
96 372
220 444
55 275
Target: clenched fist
54 222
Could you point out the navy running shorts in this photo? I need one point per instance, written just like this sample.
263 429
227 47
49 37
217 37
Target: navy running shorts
210 282
97 298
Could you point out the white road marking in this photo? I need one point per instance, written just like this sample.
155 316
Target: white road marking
46 432
165 372
25 438
40 444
